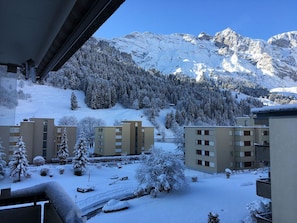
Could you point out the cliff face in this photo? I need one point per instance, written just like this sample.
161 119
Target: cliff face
222 57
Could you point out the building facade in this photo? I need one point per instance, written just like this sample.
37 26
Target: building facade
129 138
212 149
282 182
40 135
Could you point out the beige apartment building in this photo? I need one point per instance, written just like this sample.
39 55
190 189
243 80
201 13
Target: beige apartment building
40 135
281 184
129 138
212 149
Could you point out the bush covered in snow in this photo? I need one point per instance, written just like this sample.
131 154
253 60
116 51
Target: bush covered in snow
160 171
38 161
213 218
44 172
115 205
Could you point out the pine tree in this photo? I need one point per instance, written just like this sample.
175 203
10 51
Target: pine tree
74 104
63 152
19 163
80 160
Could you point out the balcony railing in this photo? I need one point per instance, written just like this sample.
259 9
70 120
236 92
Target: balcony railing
27 204
263 187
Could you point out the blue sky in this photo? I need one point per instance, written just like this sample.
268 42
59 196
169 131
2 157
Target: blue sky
259 19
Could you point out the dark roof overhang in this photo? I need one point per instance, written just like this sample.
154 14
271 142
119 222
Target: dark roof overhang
45 34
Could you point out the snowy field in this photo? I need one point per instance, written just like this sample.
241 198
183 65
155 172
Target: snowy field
211 193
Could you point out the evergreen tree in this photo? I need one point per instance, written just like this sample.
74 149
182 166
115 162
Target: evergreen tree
63 152
80 159
19 163
74 104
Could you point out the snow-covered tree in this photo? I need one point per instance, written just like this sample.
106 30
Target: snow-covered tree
160 171
19 163
80 159
86 126
63 152
68 120
2 161
74 104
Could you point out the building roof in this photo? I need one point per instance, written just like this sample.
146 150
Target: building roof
280 110
45 34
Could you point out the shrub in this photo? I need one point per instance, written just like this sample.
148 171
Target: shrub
77 171
44 171
38 161
213 218
61 170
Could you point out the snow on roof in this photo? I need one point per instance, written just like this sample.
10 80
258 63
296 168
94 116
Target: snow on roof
278 108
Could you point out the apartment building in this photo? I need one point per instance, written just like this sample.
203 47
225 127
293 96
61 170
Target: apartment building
129 138
212 149
281 184
40 135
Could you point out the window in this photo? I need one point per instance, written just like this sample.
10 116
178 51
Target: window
198 132
247 143
248 153
247 133
199 162
206 163
45 124
44 153
206 142
198 152
206 153
206 132
266 133
199 142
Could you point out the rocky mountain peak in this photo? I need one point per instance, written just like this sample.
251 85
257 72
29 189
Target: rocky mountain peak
284 40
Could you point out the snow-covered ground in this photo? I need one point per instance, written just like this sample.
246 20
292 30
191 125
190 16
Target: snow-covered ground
211 193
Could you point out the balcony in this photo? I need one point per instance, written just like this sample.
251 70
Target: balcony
263 187
264 218
41 203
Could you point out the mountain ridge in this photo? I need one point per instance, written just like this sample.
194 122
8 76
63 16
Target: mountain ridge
227 54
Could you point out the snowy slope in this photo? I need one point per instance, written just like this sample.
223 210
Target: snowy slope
50 102
269 64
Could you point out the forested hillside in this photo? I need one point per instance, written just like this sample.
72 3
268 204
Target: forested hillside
108 76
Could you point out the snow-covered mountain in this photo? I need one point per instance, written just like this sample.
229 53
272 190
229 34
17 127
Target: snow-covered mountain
225 57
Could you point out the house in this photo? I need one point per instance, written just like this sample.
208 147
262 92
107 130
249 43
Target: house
40 135
212 149
129 138
281 184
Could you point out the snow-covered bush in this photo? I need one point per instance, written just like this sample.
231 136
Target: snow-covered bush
44 172
213 218
160 171
228 172
61 170
38 161
19 163
115 205
258 207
